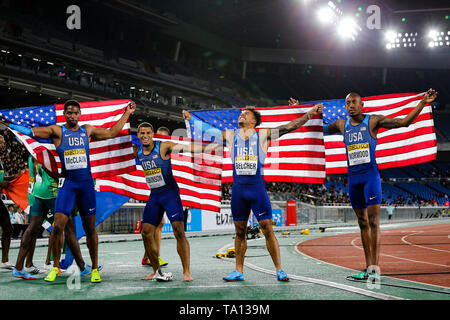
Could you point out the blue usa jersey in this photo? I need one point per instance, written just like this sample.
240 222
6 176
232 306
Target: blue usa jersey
74 154
360 147
248 160
158 172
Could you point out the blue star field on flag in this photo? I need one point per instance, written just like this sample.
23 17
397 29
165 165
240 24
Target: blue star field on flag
332 110
30 117
39 116
222 119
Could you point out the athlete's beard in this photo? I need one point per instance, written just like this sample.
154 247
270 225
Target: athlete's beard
71 123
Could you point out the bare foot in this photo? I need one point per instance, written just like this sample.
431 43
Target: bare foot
149 277
188 278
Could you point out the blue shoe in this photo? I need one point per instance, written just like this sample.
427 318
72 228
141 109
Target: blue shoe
88 269
282 276
22 274
234 276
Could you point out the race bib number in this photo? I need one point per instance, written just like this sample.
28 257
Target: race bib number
75 159
246 165
358 154
154 178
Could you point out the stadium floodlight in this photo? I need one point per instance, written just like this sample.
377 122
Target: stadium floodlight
438 38
391 35
348 28
325 15
393 38
433 34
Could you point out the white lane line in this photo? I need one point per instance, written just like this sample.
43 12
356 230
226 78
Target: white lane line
336 285
419 246
239 285
405 259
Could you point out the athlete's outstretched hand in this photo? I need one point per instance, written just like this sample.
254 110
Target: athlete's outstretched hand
317 109
293 102
430 95
186 115
131 107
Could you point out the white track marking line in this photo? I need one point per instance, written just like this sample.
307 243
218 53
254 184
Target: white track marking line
318 281
419 246
342 267
395 257
240 285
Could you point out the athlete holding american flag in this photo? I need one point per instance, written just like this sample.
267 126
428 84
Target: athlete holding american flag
248 149
76 186
364 183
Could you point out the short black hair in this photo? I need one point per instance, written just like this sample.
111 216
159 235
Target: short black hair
164 129
256 114
71 103
145 125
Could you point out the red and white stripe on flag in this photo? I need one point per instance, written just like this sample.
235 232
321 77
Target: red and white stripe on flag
198 176
298 156
107 157
395 147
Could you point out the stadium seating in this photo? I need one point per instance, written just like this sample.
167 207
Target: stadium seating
441 121
391 193
422 191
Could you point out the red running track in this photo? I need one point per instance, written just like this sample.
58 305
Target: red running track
420 254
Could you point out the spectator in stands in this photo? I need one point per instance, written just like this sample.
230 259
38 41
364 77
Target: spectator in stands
16 156
21 220
14 223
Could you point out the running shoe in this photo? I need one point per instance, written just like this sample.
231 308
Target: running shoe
162 263
34 270
49 266
163 276
22 274
6 265
361 276
54 272
95 276
88 269
234 276
146 262
282 276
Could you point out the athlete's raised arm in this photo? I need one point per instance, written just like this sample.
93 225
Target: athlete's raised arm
103 134
296 123
390 123
47 132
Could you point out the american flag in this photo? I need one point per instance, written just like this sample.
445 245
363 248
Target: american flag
108 157
198 176
298 156
395 147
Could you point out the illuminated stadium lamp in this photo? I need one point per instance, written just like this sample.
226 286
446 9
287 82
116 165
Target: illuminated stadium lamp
325 15
431 44
348 28
390 35
432 34
393 38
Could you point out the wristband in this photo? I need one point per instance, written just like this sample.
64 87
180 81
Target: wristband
325 130
25 130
